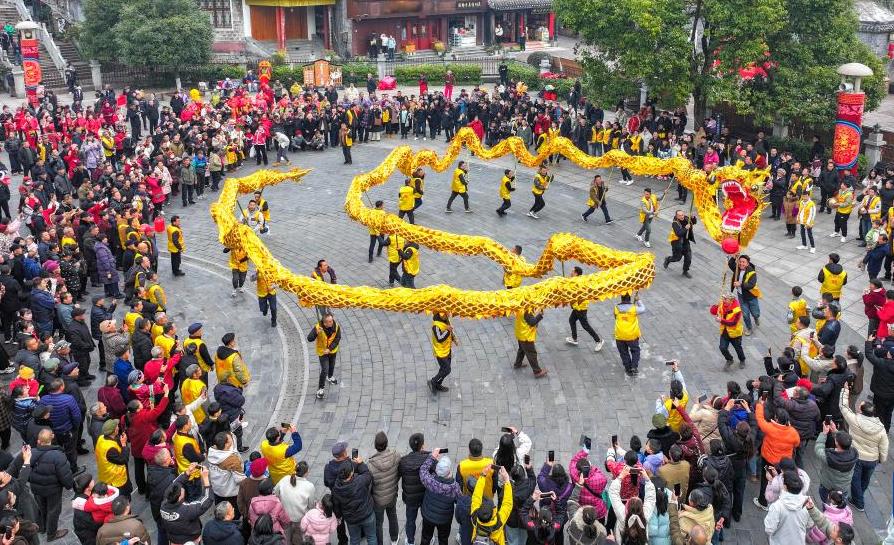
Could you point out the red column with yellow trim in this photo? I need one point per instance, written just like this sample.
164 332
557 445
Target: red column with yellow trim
30 47
848 130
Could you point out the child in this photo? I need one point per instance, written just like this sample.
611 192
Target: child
790 211
837 511
99 504
797 307
319 523
246 465
806 219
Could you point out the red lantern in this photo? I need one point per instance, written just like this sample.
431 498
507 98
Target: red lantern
159 224
730 246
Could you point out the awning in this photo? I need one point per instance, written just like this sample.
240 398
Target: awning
290 3
511 5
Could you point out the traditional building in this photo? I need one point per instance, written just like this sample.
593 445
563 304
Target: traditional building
876 27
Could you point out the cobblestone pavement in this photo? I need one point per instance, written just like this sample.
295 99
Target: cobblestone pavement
385 358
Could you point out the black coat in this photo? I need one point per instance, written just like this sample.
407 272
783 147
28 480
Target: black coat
882 384
411 484
231 400
79 336
50 471
142 348
353 499
84 527
159 478
222 532
12 298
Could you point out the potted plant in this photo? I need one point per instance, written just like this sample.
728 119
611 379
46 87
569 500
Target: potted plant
439 47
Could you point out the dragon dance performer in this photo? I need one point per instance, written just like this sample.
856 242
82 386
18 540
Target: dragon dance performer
541 182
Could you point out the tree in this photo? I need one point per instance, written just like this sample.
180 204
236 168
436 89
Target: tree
96 33
676 48
163 33
819 36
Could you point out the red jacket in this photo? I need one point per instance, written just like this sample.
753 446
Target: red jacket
875 298
141 424
886 317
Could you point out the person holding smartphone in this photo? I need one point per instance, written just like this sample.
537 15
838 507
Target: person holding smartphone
442 491
278 453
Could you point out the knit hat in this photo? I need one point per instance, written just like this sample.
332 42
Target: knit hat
659 421
109 426
26 372
339 447
51 364
443 467
194 327
134 377
258 467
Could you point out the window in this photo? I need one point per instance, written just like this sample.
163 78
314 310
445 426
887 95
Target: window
220 11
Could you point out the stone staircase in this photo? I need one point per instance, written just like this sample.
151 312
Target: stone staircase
71 54
468 51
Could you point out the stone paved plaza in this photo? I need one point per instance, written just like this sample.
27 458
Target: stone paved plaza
385 358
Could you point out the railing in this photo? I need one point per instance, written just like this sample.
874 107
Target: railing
489 65
45 37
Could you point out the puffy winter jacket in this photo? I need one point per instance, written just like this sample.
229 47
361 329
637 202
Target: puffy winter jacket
412 489
318 526
383 466
440 495
231 400
50 471
659 527
268 505
591 494
868 433
225 471
353 499
222 532
882 383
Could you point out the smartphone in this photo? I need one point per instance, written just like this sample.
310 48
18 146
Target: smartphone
527 459
828 419
285 425
551 456
677 490
634 476
702 398
614 440
669 362
585 442
8 533
443 450
354 454
504 429
495 467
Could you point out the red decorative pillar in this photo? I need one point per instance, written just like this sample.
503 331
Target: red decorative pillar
327 44
280 28
849 117
30 54
552 25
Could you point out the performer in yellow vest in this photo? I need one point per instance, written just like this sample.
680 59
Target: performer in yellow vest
627 332
266 292
507 186
832 277
130 318
541 183
459 186
843 203
167 340
410 256
263 206
188 448
442 340
510 279
418 183
326 334
406 203
375 236
254 218
797 307
870 209
229 364
238 268
192 389
648 209
176 245
579 314
395 246
156 292
729 315
526 334
596 199
111 458
279 454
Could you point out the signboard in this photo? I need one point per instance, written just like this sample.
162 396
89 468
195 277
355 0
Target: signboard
468 4
321 73
30 62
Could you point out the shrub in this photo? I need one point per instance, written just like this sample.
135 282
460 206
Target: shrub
526 73
800 149
464 73
287 75
535 58
278 58
355 72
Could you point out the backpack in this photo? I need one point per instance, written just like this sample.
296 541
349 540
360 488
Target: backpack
483 534
31 268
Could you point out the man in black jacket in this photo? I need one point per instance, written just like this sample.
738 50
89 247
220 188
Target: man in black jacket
681 239
828 182
882 384
50 474
352 498
331 474
411 484
803 412
99 313
82 344
142 343
10 303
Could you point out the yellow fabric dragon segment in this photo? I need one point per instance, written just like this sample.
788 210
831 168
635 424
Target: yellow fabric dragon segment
619 272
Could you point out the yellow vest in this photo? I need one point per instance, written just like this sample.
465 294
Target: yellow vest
674 420
805 208
278 465
832 283
523 331
181 440
581 305
225 369
130 320
874 203
395 245
157 296
323 341
263 288
236 263
635 143
734 313
191 390
474 468
542 181
68 241
264 208
155 332
166 343
505 194
441 348
798 308
411 265
511 280
107 472
418 185
172 230
199 343
626 324
405 198
650 204
845 201
456 185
